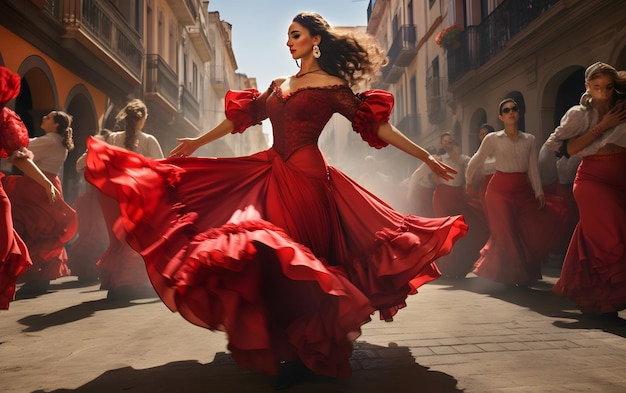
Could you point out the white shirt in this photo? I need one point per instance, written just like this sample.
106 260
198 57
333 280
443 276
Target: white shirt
148 145
49 152
511 156
577 121
459 179
489 166
422 176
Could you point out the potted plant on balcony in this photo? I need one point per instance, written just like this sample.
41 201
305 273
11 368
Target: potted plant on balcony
450 37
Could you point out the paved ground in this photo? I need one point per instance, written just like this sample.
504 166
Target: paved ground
455 336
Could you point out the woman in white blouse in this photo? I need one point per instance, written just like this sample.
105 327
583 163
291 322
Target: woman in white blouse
44 227
519 240
122 270
594 269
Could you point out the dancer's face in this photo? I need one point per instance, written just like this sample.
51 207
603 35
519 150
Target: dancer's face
299 41
48 124
509 113
601 88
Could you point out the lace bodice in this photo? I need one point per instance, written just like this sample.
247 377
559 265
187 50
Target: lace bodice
299 117
13 133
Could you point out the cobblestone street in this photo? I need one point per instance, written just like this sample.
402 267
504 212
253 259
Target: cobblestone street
467 335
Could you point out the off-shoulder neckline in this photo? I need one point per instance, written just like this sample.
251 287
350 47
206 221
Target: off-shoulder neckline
279 92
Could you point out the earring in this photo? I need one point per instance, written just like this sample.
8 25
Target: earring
296 60
316 52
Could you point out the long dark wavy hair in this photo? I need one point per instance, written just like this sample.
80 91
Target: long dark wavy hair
64 121
353 56
131 114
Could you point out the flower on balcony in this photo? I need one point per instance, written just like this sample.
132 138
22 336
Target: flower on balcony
450 37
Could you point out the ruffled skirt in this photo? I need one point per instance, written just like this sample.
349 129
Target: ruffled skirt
521 235
14 258
44 227
594 269
282 256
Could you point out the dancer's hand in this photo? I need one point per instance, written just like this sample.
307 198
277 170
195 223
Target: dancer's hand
440 169
52 193
542 201
185 148
615 116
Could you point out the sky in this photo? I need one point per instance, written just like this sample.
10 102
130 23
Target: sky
260 30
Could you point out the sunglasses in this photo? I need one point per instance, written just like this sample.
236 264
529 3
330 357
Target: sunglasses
507 110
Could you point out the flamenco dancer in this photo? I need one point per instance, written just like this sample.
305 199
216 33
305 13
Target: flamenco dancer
14 257
281 251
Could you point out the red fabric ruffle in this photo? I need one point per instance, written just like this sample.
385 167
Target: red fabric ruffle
594 270
238 108
214 255
44 227
376 109
10 83
14 257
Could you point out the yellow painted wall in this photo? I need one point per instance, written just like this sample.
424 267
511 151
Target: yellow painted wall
15 50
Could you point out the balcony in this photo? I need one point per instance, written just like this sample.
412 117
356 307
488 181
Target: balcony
185 11
391 73
436 91
96 27
219 79
200 41
370 9
375 14
403 49
190 108
161 84
483 42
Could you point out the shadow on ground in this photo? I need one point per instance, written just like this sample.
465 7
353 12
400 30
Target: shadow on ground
38 322
375 369
540 299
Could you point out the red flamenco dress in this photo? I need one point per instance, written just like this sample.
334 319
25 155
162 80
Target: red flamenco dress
594 269
14 257
282 252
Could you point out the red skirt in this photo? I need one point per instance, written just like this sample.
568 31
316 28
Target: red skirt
283 256
119 265
14 258
521 235
447 201
594 270
44 227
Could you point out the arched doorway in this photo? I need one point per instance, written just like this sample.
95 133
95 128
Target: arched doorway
37 98
562 91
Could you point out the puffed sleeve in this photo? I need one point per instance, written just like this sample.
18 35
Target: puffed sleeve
13 135
374 110
366 111
245 108
13 132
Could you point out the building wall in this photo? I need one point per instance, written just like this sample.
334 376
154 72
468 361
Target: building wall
534 66
537 62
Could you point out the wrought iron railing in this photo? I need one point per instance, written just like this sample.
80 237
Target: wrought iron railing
102 22
403 47
481 43
189 106
161 79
